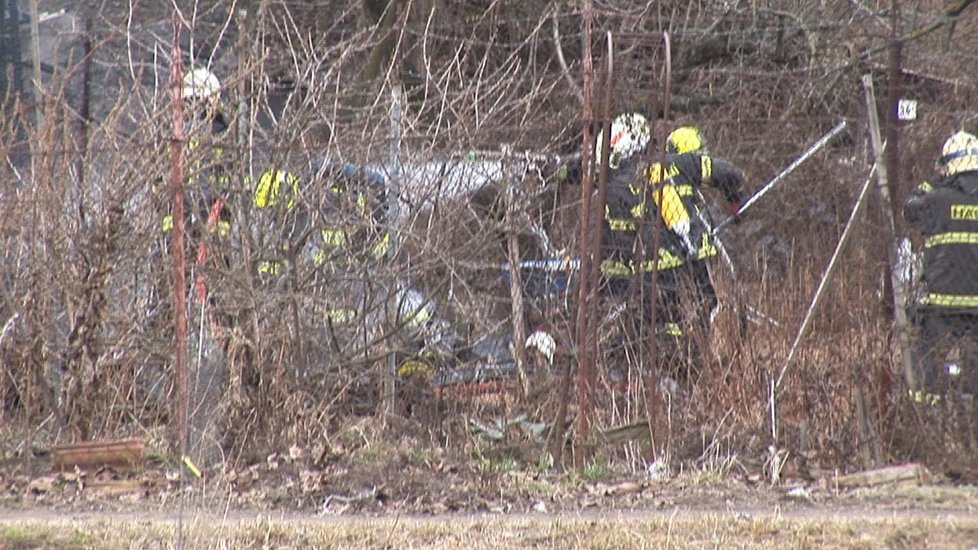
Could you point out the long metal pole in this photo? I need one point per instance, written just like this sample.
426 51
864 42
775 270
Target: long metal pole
587 165
587 379
518 319
36 64
584 235
894 175
826 277
393 192
777 179
899 291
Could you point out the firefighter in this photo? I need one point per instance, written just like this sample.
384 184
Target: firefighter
207 183
278 214
624 201
945 211
352 238
673 250
687 245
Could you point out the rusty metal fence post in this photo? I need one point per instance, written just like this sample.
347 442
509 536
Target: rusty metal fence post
588 305
560 422
177 255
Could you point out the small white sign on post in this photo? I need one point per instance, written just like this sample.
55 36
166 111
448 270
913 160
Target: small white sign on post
907 109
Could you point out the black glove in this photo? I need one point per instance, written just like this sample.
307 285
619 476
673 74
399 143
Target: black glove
733 208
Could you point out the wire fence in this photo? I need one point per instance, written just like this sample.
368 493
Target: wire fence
387 222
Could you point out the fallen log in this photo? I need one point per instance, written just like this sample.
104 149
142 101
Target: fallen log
901 474
122 454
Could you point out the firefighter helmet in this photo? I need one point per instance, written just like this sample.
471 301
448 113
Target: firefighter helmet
200 84
960 154
629 135
685 139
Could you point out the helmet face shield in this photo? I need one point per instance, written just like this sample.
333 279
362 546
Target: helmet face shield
685 139
629 136
200 85
960 154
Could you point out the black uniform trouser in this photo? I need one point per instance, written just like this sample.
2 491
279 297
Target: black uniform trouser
679 303
939 334
682 296
686 296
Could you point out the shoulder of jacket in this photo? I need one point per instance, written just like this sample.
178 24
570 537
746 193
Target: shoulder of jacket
967 176
967 182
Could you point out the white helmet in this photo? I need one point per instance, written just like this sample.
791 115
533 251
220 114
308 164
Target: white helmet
960 154
629 135
200 84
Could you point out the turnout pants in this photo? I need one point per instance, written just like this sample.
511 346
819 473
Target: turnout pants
946 351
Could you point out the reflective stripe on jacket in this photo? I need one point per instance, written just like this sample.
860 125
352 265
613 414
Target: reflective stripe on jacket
674 193
946 213
355 224
268 190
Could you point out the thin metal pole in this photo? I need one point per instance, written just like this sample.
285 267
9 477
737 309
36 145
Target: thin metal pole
518 318
892 181
587 376
85 102
901 321
826 277
781 175
894 75
584 235
6 48
395 133
36 64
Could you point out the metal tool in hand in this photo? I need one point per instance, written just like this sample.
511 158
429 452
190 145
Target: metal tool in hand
777 179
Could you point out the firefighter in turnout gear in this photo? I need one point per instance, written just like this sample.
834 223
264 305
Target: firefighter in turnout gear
207 181
945 211
275 198
657 223
206 187
686 242
353 236
624 202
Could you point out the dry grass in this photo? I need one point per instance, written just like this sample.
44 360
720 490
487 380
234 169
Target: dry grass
678 529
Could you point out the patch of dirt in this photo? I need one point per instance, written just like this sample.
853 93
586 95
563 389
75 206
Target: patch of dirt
362 473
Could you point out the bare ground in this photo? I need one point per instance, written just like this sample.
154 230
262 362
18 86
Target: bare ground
386 499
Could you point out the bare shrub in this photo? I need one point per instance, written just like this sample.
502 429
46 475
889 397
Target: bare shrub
442 102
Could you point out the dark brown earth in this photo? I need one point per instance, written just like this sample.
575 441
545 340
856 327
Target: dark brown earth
397 478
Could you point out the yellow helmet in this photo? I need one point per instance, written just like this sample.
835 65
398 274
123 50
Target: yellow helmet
685 139
960 154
